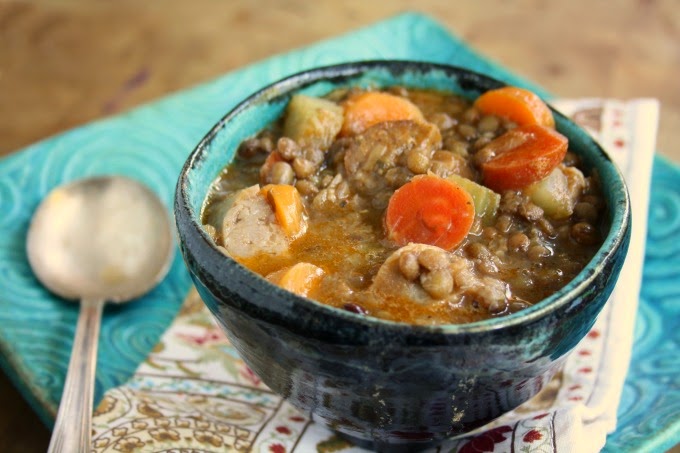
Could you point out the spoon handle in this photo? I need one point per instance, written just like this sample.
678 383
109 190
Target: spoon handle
72 430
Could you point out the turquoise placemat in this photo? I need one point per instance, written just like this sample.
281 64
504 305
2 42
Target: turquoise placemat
150 143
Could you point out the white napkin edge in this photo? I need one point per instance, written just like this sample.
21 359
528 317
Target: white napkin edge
600 416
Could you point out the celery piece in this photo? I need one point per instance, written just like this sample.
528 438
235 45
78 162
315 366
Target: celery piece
486 200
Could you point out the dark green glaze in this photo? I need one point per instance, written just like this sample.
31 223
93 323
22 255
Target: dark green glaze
375 380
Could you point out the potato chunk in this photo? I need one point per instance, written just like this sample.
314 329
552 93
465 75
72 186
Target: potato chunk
312 121
557 193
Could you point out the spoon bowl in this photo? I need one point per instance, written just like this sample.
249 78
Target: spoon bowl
101 239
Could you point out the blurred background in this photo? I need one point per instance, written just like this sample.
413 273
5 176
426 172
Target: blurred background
67 62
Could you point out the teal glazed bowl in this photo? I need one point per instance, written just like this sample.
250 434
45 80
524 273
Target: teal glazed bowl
384 384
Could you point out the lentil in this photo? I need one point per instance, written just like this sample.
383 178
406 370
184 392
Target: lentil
409 266
585 234
282 173
432 259
488 123
287 148
518 242
438 283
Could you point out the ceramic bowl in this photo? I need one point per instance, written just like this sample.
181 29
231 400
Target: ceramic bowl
382 383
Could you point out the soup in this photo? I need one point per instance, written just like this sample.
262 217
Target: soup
410 205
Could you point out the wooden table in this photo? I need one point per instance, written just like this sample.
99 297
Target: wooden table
64 63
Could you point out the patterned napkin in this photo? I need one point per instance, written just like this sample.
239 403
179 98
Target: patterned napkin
194 393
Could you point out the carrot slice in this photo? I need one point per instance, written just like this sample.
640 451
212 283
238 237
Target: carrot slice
430 210
301 278
523 155
288 208
366 109
517 104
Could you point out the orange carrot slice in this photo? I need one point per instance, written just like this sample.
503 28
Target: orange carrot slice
517 104
301 278
523 155
430 210
288 208
366 109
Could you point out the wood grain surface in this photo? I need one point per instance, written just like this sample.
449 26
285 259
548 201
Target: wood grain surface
64 63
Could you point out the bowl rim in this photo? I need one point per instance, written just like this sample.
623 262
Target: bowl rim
616 237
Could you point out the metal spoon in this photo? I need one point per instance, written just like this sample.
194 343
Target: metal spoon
98 239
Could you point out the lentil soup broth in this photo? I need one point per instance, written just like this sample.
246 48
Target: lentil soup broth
523 244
